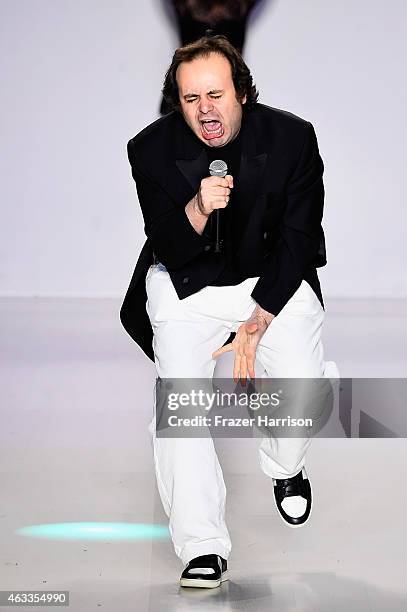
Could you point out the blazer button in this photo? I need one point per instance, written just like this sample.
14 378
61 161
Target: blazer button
207 247
185 280
265 235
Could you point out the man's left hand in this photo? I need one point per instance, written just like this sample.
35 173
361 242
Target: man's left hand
245 344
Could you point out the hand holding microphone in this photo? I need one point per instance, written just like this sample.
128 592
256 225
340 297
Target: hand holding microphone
214 193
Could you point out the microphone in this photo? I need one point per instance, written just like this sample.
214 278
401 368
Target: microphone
218 168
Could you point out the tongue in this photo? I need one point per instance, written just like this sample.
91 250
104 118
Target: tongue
211 126
210 130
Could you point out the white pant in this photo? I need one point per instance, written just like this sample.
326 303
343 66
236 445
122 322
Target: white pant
186 333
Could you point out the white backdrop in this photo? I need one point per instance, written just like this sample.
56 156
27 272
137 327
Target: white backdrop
80 77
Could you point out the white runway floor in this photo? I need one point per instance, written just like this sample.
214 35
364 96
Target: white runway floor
74 447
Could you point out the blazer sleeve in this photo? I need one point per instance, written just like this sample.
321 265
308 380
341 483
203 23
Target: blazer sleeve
299 231
173 238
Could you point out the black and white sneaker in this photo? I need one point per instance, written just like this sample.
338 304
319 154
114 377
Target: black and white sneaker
293 497
206 571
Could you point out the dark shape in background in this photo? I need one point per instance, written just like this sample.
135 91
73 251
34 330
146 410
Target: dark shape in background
194 17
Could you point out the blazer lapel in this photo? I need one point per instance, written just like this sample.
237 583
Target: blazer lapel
194 169
190 157
249 182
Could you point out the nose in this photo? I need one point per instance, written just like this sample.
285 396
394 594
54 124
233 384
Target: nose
205 106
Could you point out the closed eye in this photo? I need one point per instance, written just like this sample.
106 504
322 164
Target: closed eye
193 100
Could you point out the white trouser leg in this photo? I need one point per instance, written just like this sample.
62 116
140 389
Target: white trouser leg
292 348
189 476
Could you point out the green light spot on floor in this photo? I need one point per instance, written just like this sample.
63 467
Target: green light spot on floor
95 531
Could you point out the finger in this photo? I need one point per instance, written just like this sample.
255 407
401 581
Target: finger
221 203
222 181
229 178
250 352
250 358
250 367
243 370
220 190
236 368
216 181
223 349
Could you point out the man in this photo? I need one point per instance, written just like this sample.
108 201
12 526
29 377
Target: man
263 286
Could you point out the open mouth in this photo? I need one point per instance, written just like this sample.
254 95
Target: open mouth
211 128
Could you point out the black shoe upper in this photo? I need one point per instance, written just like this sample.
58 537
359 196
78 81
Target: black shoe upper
210 561
287 487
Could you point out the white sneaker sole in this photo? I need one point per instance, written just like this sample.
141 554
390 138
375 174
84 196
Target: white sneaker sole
203 584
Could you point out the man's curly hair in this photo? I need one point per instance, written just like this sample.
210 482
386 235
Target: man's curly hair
242 79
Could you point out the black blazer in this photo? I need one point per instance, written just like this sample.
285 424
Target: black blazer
281 196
